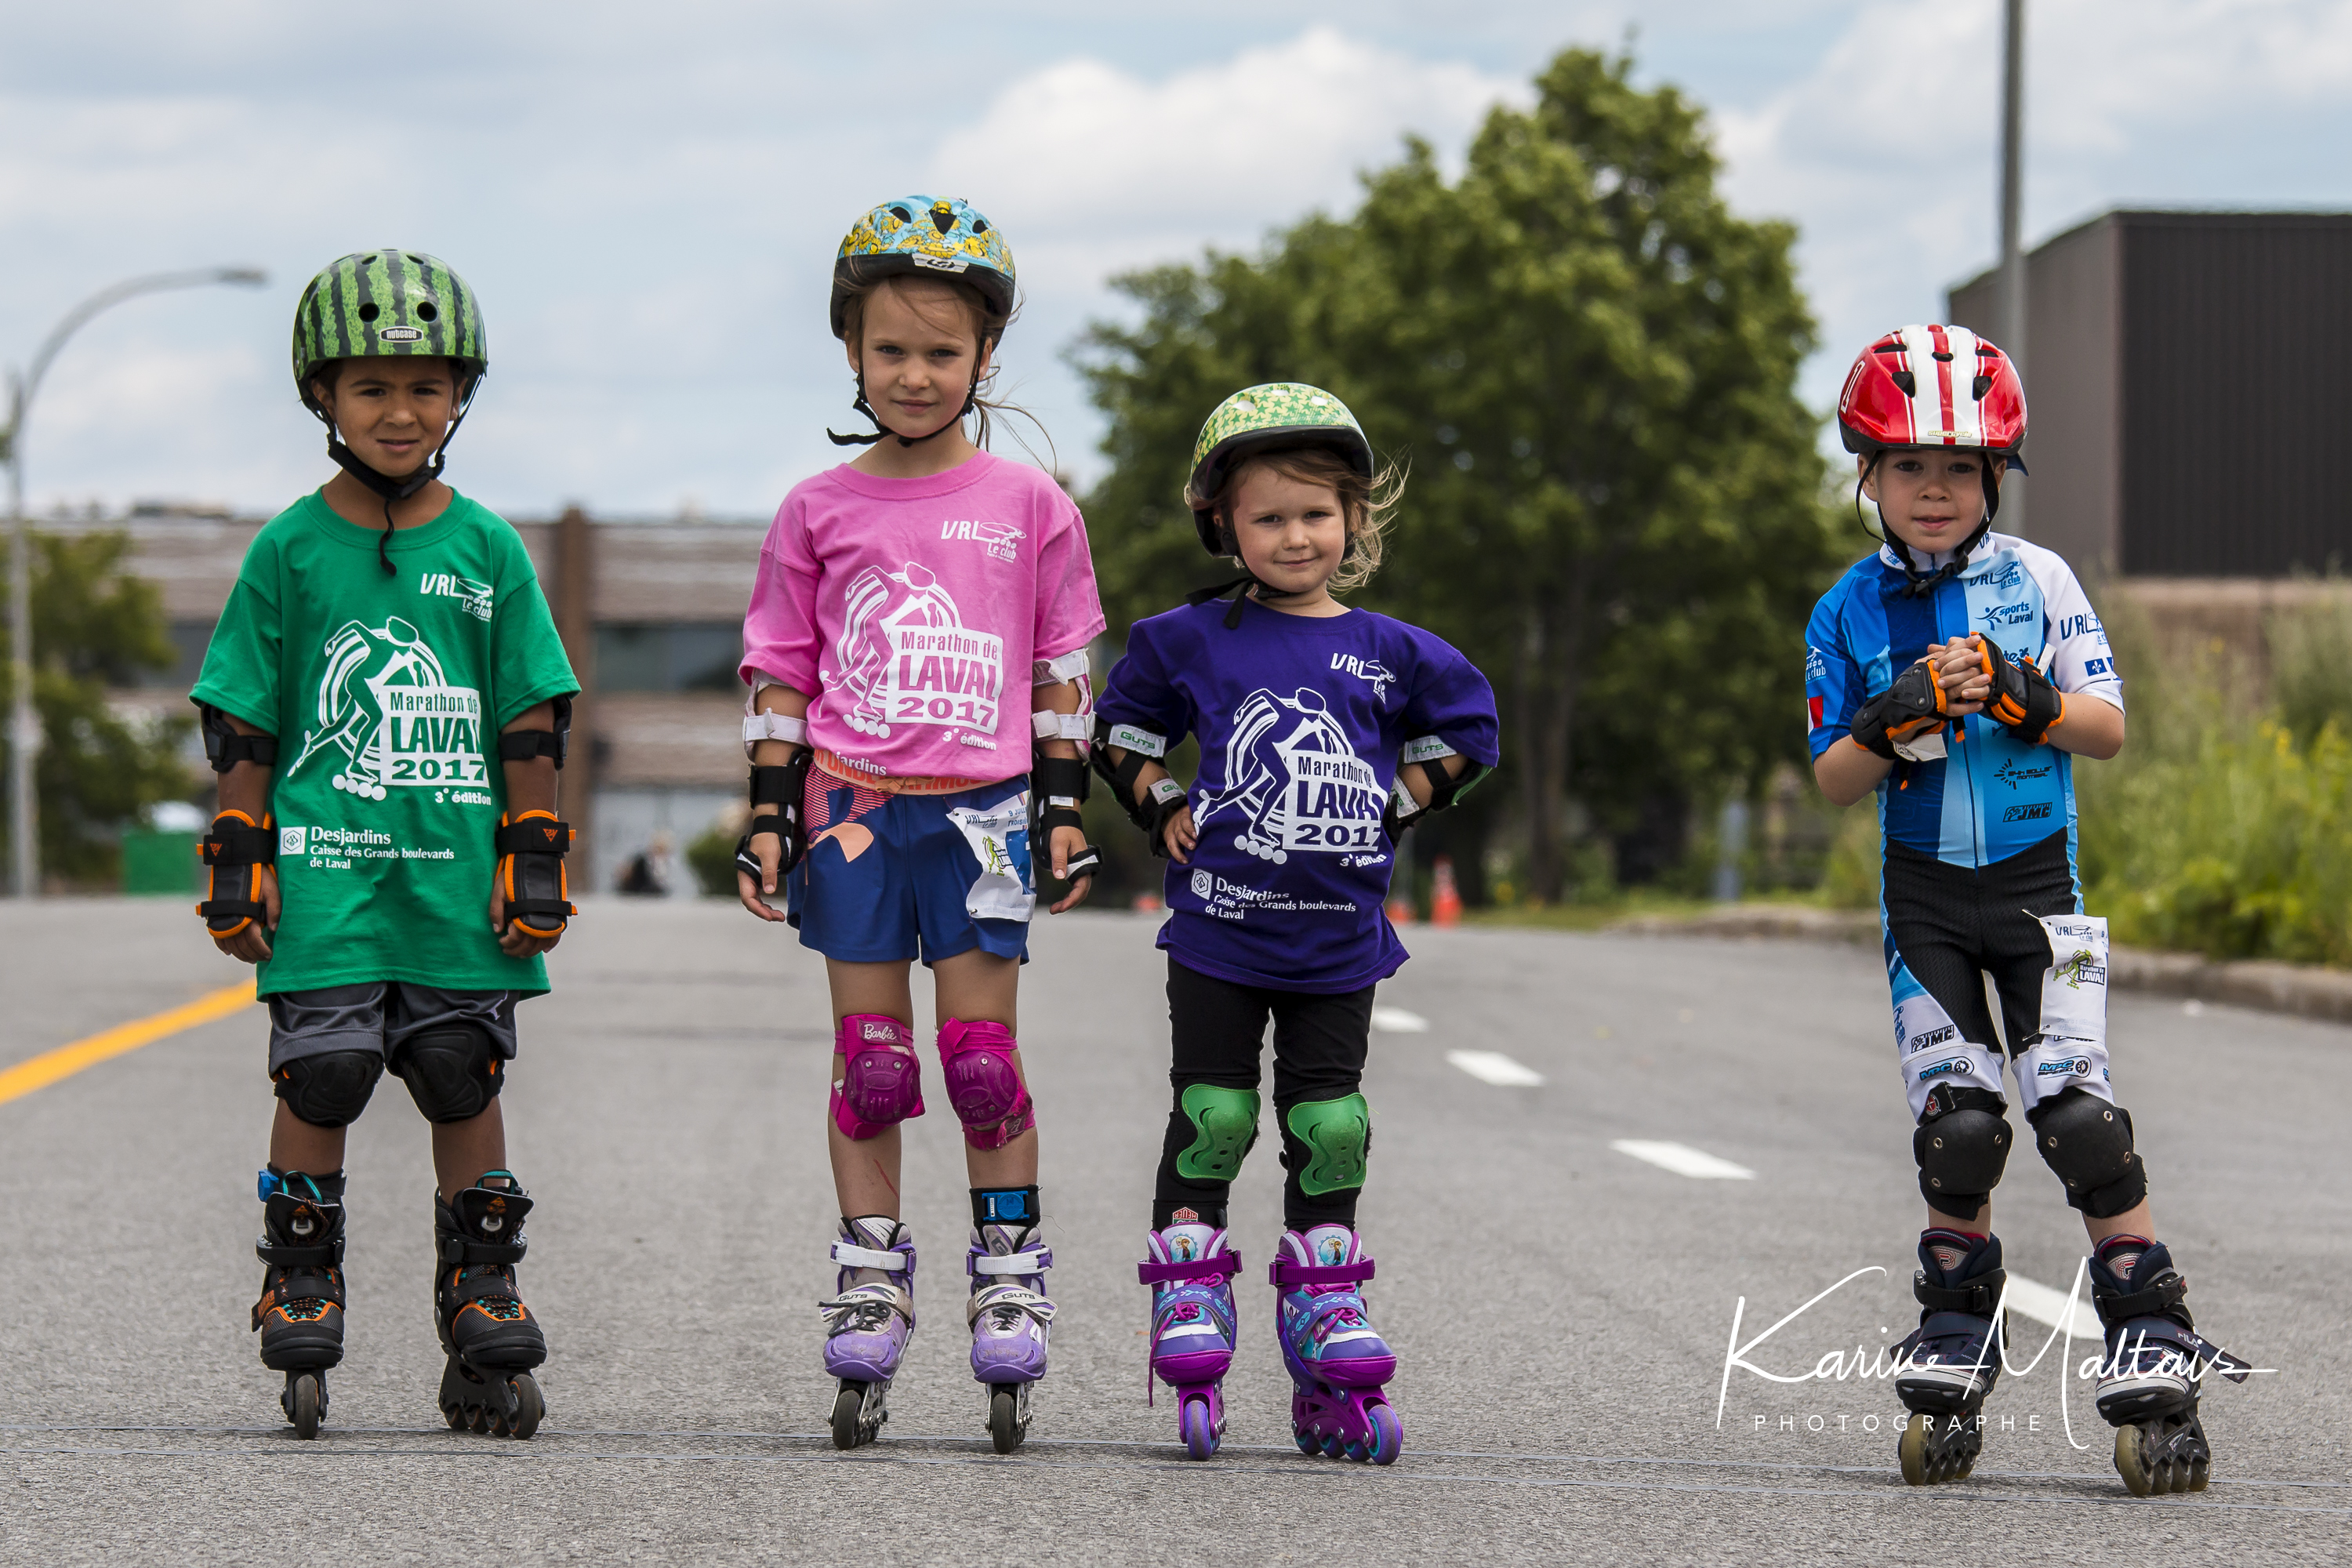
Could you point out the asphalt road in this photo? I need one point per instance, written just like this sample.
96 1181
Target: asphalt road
1561 1310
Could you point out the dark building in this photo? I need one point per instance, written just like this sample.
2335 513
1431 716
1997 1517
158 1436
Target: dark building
2189 380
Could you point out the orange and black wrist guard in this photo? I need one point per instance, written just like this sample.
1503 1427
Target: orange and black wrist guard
235 851
2022 699
530 873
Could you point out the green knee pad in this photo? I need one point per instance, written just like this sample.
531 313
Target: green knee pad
1336 1133
1225 1123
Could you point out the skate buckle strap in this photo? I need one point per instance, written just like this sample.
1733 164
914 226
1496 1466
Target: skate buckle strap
1224 1266
850 1255
465 1250
1036 1260
1007 1298
1977 1298
328 1253
876 1298
2153 1302
1285 1272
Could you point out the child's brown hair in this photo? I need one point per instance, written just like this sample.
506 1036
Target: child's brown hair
1365 504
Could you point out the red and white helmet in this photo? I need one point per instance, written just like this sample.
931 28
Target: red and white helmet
1933 386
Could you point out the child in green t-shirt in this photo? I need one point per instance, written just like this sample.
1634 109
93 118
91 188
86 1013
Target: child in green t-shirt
386 701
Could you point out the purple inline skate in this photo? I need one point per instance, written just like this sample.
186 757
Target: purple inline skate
2154 1368
1191 1271
867 1322
1337 1359
1009 1317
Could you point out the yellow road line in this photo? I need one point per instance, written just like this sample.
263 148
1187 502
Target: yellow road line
67 1061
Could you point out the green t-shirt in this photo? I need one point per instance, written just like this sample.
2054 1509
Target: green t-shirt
386 693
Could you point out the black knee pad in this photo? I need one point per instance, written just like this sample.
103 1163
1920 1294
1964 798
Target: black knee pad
451 1074
1962 1147
329 1090
2088 1143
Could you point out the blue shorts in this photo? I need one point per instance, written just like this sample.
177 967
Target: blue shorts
889 877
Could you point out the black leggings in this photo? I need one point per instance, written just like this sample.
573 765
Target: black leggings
1218 1028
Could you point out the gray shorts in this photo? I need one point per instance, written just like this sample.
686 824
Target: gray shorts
380 1015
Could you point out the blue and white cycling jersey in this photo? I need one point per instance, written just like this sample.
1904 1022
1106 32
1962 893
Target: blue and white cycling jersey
1991 796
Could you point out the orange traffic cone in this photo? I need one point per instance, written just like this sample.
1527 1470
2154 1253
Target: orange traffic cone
1399 911
1445 900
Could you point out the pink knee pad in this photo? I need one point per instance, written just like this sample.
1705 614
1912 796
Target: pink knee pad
879 1079
986 1090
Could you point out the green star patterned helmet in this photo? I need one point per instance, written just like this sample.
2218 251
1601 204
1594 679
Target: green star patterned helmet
380 305
942 236
1276 414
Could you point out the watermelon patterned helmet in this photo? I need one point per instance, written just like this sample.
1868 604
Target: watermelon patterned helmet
941 235
1276 414
375 304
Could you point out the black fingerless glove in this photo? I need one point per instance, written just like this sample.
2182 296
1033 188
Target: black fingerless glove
1914 705
2022 702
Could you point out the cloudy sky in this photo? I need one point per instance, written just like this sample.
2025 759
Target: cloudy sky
648 198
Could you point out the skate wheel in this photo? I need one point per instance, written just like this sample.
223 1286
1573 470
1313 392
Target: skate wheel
302 1401
1199 1434
529 1406
1309 1444
1005 1427
2201 1472
2131 1461
1387 1436
846 1405
1333 1447
1911 1450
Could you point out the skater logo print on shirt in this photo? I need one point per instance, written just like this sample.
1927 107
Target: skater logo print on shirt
1001 540
1298 783
385 708
906 657
472 597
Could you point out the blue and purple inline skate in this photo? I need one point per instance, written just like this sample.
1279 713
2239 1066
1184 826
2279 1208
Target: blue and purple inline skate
1010 1318
1191 1271
1337 1359
867 1322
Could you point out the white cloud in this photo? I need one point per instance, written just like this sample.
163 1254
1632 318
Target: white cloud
1886 151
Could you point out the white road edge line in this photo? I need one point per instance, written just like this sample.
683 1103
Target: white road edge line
1683 1160
1494 1067
2050 1306
1397 1021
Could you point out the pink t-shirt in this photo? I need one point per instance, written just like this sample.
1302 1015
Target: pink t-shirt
919 613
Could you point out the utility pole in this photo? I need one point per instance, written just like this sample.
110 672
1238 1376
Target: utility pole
24 724
2009 284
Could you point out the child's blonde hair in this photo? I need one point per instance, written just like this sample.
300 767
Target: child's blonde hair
1366 505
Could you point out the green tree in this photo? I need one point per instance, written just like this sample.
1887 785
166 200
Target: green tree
94 626
1591 364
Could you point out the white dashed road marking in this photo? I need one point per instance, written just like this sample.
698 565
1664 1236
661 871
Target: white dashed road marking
1397 1021
1494 1066
1683 1160
2044 1305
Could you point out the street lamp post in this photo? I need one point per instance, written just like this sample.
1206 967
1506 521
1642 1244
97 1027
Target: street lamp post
25 726
2009 281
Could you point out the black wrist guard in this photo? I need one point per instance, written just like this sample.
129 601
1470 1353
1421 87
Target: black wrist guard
1057 789
2022 702
1429 755
786 789
237 850
1890 721
531 872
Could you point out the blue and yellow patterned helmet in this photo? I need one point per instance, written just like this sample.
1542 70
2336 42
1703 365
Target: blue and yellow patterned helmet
940 236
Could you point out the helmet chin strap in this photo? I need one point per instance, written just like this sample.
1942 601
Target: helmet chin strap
1918 583
858 403
393 490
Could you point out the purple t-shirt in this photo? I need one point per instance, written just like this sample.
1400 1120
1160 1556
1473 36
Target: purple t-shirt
1301 721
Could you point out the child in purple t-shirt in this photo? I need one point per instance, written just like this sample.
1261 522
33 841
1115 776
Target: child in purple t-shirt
1324 732
919 623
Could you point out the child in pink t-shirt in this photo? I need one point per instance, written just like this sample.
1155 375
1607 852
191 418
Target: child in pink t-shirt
918 628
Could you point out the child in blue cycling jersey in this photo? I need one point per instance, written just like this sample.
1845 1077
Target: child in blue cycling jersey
1957 671
1323 731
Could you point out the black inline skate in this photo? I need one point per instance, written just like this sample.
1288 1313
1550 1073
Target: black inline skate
301 1313
1952 1359
2154 1368
492 1339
